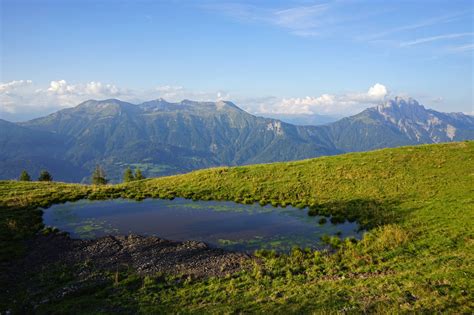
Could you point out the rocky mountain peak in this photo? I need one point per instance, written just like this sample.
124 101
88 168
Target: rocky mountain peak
401 108
419 124
401 103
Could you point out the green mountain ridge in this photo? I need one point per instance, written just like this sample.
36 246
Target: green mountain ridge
167 138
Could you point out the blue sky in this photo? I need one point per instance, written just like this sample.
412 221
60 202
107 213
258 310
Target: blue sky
267 56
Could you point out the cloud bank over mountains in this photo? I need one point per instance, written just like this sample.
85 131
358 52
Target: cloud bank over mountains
328 104
23 99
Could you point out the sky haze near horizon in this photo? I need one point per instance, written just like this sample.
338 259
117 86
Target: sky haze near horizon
293 57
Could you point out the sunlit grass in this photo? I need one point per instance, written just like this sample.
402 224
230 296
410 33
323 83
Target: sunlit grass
417 203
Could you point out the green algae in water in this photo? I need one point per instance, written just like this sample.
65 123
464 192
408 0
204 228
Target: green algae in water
90 228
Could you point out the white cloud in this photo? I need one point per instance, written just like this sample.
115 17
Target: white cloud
93 89
329 104
6 88
462 48
60 87
97 88
434 38
377 91
25 99
410 27
302 20
342 20
12 94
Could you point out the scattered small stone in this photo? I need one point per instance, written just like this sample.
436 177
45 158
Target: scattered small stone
147 255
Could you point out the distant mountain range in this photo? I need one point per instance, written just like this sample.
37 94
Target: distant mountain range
165 138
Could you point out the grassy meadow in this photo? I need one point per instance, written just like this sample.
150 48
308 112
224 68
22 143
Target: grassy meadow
416 203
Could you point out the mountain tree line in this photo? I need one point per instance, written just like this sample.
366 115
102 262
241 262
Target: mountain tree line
44 176
98 176
128 175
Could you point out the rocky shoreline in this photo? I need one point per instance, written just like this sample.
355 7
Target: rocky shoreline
146 255
91 262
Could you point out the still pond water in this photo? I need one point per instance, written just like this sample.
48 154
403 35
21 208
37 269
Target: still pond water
218 223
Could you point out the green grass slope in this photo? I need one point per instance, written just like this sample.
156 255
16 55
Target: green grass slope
416 202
